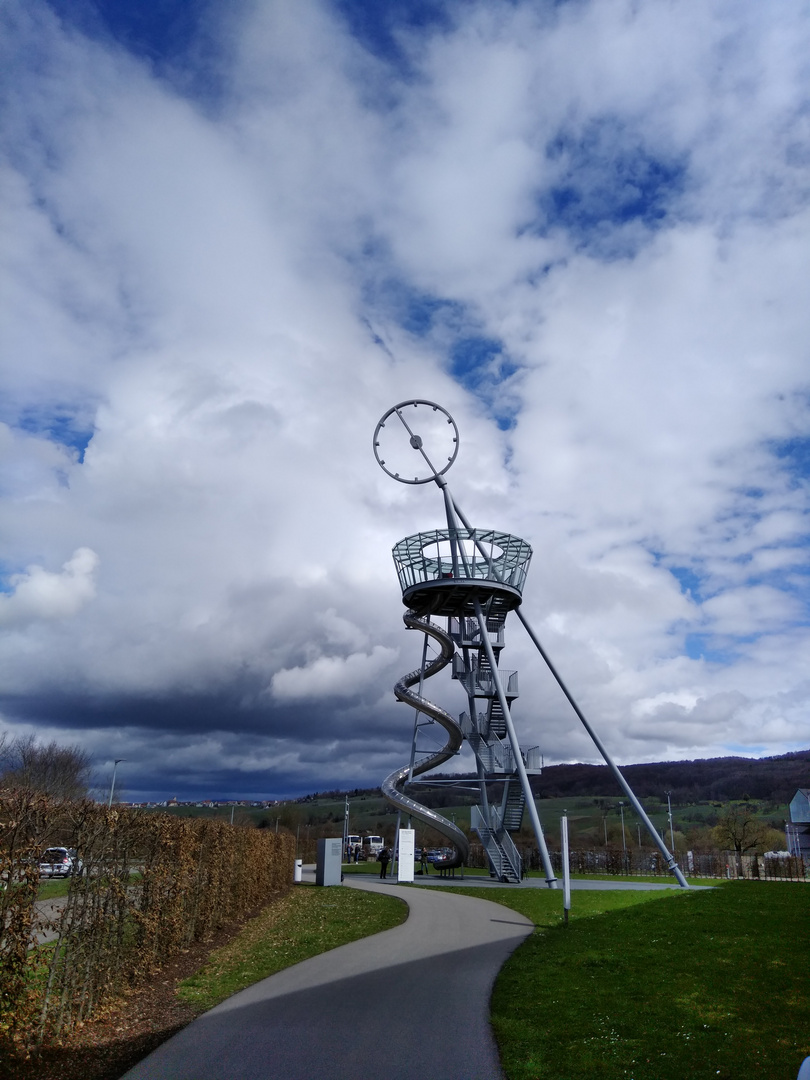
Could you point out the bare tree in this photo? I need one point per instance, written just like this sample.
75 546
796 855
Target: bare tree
739 830
60 771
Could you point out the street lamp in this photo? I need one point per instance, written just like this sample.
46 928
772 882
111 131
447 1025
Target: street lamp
669 814
116 763
624 839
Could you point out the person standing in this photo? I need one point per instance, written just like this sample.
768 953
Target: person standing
383 857
424 859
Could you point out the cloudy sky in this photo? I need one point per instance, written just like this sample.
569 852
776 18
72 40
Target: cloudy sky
236 234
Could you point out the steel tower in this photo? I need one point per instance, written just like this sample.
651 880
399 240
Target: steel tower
471 579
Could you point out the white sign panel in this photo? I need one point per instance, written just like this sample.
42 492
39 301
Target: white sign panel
407 845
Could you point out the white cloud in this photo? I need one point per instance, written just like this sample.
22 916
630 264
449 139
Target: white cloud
333 676
225 292
39 594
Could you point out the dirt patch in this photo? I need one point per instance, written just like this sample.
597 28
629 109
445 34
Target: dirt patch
128 1029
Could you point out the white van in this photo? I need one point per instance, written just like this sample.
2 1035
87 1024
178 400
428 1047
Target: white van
372 845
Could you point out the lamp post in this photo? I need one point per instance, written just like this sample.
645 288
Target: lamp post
624 838
116 763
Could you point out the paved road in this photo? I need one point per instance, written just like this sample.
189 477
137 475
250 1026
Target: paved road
48 913
410 1003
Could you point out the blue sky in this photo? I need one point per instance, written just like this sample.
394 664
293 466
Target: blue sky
239 233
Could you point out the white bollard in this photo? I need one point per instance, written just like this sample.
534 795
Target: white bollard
299 870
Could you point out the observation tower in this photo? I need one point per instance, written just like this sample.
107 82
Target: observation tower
459 584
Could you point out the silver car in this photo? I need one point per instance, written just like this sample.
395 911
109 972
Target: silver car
60 862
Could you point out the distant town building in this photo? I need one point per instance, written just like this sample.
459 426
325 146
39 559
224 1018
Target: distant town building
798 828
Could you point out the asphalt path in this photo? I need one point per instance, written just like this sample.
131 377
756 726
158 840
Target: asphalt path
47 914
409 1003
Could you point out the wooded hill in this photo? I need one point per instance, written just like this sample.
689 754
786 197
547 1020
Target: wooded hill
771 779
724 779
774 779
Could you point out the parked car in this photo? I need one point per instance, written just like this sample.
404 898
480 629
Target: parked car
60 862
439 855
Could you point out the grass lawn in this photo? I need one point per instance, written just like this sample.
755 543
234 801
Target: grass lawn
677 986
308 921
544 906
53 887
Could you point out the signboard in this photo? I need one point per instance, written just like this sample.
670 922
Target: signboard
407 845
328 869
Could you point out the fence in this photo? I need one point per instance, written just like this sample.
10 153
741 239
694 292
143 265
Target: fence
644 862
151 884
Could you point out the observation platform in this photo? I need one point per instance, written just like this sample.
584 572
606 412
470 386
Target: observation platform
444 572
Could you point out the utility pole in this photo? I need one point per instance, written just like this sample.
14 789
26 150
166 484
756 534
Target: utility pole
669 814
116 763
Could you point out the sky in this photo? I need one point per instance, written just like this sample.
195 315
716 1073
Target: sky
237 234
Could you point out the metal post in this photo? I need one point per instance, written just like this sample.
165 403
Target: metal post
417 713
566 868
456 550
116 763
395 852
479 768
551 879
672 865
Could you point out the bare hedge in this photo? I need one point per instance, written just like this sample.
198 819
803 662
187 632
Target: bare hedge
151 885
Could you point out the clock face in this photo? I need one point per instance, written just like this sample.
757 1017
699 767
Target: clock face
416 441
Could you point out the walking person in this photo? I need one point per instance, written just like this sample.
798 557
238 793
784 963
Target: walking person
425 867
383 857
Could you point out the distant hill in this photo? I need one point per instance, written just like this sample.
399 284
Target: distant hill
774 779
771 779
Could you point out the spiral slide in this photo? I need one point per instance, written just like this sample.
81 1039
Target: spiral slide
391 786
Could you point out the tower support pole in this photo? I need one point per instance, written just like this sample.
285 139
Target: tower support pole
672 865
551 879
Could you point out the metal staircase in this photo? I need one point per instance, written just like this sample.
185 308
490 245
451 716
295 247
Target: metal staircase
513 806
486 734
504 858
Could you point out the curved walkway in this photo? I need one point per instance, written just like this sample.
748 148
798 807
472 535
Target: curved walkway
405 1004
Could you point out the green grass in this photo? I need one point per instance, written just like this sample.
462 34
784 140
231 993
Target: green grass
700 986
308 921
544 906
49 890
